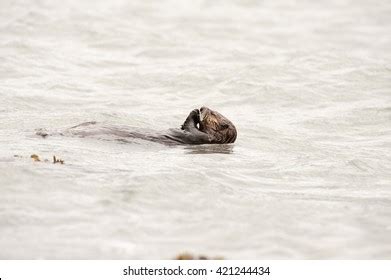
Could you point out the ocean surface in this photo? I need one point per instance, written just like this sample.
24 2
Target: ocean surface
307 84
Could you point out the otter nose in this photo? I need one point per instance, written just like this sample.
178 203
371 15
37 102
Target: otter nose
203 108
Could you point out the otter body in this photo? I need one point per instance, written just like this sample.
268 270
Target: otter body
202 126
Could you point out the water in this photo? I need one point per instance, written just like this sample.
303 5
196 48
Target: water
307 84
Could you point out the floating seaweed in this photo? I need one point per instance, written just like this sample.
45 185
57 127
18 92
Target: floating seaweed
57 160
35 157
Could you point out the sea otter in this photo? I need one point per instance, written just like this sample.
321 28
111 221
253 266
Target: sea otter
203 126
206 126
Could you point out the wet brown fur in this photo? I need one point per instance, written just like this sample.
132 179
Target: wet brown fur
219 127
203 126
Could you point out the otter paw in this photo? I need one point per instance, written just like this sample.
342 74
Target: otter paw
195 114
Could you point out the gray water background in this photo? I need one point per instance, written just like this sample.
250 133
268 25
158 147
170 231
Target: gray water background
307 84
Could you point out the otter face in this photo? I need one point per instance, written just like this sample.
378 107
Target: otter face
215 124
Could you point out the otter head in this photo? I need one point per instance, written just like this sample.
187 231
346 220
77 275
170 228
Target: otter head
218 126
